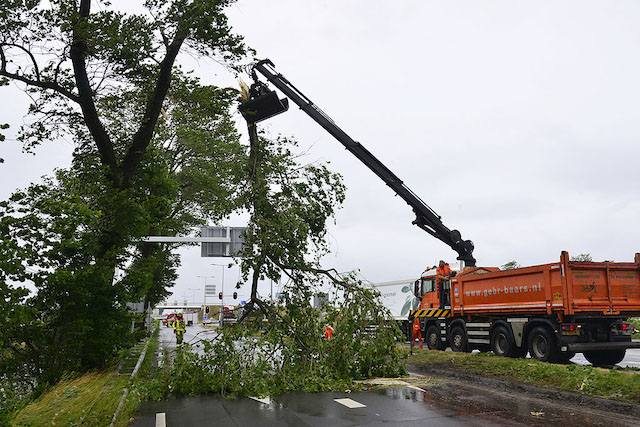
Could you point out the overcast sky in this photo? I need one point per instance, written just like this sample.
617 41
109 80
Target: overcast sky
517 122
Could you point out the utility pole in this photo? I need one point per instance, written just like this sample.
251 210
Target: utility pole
221 289
205 288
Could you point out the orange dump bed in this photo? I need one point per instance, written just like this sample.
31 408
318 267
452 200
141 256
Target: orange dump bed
566 287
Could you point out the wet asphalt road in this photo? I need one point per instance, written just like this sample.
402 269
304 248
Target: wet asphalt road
431 402
425 401
390 407
192 336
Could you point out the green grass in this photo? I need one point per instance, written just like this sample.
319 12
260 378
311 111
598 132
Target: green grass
90 398
612 384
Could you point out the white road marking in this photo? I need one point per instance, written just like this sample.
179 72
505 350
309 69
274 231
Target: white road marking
265 400
161 419
350 403
415 388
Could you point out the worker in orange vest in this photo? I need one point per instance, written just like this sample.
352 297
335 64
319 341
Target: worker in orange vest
443 269
328 332
417 334
443 272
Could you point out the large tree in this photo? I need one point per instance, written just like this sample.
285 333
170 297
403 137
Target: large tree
110 81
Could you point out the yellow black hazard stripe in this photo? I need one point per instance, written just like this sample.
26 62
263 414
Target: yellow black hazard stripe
431 313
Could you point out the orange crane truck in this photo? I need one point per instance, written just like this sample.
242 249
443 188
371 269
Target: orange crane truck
551 311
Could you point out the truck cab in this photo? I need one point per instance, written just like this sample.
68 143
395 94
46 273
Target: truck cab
426 289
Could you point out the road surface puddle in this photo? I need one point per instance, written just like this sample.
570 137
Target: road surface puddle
502 407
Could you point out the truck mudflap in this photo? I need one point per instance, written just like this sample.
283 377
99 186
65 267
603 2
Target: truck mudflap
589 346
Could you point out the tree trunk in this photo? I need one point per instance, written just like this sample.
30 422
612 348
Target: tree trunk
258 193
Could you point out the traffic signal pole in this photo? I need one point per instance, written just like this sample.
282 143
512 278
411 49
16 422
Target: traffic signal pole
222 299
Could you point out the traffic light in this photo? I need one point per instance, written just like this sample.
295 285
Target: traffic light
206 309
235 295
219 295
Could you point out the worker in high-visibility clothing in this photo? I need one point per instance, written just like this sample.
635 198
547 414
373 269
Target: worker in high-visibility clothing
179 328
443 273
417 334
328 332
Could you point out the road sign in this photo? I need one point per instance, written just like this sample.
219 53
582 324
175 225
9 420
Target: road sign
230 247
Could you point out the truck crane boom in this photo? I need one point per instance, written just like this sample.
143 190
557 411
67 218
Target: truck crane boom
426 218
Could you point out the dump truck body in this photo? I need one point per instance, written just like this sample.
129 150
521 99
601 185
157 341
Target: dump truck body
551 311
565 288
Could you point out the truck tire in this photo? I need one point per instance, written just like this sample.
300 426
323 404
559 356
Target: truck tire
605 357
502 343
542 345
432 337
458 340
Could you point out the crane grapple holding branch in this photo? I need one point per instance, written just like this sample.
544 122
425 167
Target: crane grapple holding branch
264 103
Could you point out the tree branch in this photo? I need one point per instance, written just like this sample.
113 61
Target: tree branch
87 104
34 82
329 273
28 52
143 136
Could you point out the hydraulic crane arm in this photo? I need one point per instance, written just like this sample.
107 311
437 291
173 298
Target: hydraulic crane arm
426 218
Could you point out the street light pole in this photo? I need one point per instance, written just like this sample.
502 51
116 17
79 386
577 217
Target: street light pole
193 293
222 300
205 289
221 290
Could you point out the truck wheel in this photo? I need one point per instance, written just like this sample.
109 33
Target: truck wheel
458 340
605 357
432 337
542 345
502 343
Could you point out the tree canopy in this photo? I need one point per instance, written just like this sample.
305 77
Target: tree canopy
156 152
582 258
510 265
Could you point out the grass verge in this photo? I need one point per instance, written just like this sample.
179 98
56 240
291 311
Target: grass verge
89 399
614 384
92 397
